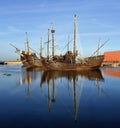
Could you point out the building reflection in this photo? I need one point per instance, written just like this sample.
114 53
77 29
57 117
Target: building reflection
112 71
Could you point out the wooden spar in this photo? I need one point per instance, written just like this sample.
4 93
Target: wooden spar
48 44
40 47
52 31
17 49
27 43
68 43
33 50
100 47
74 46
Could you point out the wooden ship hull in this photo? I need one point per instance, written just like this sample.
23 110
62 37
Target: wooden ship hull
24 60
30 60
90 63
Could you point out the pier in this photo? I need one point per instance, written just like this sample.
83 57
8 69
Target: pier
12 62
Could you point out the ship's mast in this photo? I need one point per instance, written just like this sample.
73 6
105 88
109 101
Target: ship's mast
100 47
68 43
48 44
40 47
27 43
52 31
74 46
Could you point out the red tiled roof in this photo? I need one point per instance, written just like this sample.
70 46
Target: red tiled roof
112 56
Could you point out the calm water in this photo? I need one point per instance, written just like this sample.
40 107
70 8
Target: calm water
59 99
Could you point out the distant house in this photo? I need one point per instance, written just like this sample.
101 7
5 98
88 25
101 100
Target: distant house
112 56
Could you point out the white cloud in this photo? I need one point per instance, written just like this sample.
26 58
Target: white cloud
14 29
101 34
2 33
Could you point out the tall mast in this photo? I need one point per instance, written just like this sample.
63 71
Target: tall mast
98 46
27 43
52 31
40 47
48 44
68 43
74 47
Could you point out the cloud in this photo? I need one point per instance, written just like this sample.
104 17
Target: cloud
101 34
14 29
41 7
2 33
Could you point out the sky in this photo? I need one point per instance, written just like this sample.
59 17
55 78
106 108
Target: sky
97 22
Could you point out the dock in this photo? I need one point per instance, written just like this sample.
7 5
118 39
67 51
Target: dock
12 62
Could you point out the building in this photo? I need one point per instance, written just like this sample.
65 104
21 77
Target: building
112 56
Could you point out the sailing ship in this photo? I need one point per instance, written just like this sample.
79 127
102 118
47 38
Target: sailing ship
29 59
69 60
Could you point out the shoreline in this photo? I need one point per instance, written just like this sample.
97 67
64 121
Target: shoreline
13 62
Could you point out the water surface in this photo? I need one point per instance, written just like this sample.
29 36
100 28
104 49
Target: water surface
50 99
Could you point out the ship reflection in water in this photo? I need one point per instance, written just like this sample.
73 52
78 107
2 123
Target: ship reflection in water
77 82
52 99
72 80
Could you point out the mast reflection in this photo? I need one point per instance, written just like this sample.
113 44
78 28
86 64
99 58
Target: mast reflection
27 77
74 80
77 79
91 75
